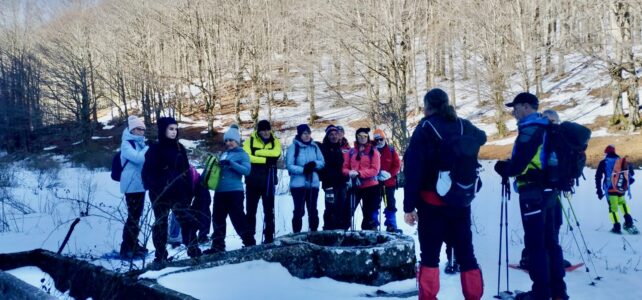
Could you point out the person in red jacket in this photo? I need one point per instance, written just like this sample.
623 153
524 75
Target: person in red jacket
362 165
390 166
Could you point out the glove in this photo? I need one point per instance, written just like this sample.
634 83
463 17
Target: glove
501 167
223 163
271 161
353 173
309 167
600 194
383 176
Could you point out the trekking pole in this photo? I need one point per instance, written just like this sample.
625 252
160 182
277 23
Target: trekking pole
577 223
352 201
383 188
506 192
577 244
501 231
267 190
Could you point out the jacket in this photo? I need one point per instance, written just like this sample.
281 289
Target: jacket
390 163
332 173
421 157
263 157
367 162
307 153
231 177
131 180
601 177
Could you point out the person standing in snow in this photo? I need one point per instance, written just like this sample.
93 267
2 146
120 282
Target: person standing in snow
610 169
132 156
264 149
166 175
390 167
228 197
538 202
343 142
362 164
303 161
439 222
337 206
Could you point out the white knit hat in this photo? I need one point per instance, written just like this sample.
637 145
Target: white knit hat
135 122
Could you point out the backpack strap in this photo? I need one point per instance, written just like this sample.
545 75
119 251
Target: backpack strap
252 144
296 151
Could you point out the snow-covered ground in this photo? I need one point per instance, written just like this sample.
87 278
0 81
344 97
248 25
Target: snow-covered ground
618 259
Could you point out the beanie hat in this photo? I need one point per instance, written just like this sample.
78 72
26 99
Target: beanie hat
263 125
436 98
379 134
303 128
340 129
233 134
134 122
331 128
365 130
610 149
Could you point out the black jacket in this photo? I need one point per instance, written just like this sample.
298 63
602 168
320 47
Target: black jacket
331 175
421 157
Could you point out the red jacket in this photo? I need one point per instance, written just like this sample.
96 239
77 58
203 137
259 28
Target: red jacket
368 164
390 163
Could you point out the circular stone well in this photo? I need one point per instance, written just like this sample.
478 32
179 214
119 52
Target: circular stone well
368 257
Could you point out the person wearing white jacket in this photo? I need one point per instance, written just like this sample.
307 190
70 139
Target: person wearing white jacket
132 157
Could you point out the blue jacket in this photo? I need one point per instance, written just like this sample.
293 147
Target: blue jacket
130 179
232 175
307 153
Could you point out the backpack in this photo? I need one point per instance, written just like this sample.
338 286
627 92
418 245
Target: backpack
564 154
458 179
116 167
617 175
211 173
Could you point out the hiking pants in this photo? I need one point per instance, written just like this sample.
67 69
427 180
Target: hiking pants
616 201
180 206
305 197
540 214
229 203
135 203
254 193
201 208
337 213
370 206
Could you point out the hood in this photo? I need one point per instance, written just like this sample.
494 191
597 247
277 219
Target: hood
534 118
163 123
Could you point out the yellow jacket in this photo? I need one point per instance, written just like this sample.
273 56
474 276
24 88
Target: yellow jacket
258 150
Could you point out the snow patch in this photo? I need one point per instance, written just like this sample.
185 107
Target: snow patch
49 148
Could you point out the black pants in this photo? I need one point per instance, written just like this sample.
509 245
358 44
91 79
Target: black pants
541 218
371 197
443 223
305 197
184 215
201 209
135 203
229 203
254 193
337 210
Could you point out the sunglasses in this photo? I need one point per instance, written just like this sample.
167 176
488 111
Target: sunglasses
365 136
379 139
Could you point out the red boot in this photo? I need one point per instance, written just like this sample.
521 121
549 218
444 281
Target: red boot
428 279
472 284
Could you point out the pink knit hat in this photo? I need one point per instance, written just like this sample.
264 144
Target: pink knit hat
135 122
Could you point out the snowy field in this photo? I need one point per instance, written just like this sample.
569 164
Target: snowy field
617 258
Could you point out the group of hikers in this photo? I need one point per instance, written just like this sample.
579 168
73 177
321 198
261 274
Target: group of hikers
442 147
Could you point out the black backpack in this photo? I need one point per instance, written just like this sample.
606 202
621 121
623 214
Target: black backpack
564 154
458 163
116 167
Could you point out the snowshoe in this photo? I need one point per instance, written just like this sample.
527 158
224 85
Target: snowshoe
631 229
507 295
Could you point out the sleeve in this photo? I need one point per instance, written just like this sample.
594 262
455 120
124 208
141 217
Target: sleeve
599 174
631 174
274 152
373 168
319 161
243 167
526 145
396 164
149 168
248 150
290 163
346 163
413 169
129 153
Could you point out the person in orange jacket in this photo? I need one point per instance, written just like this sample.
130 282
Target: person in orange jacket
390 167
362 164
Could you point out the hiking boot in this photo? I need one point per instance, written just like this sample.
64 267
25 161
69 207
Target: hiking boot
203 239
449 268
194 252
268 239
616 228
